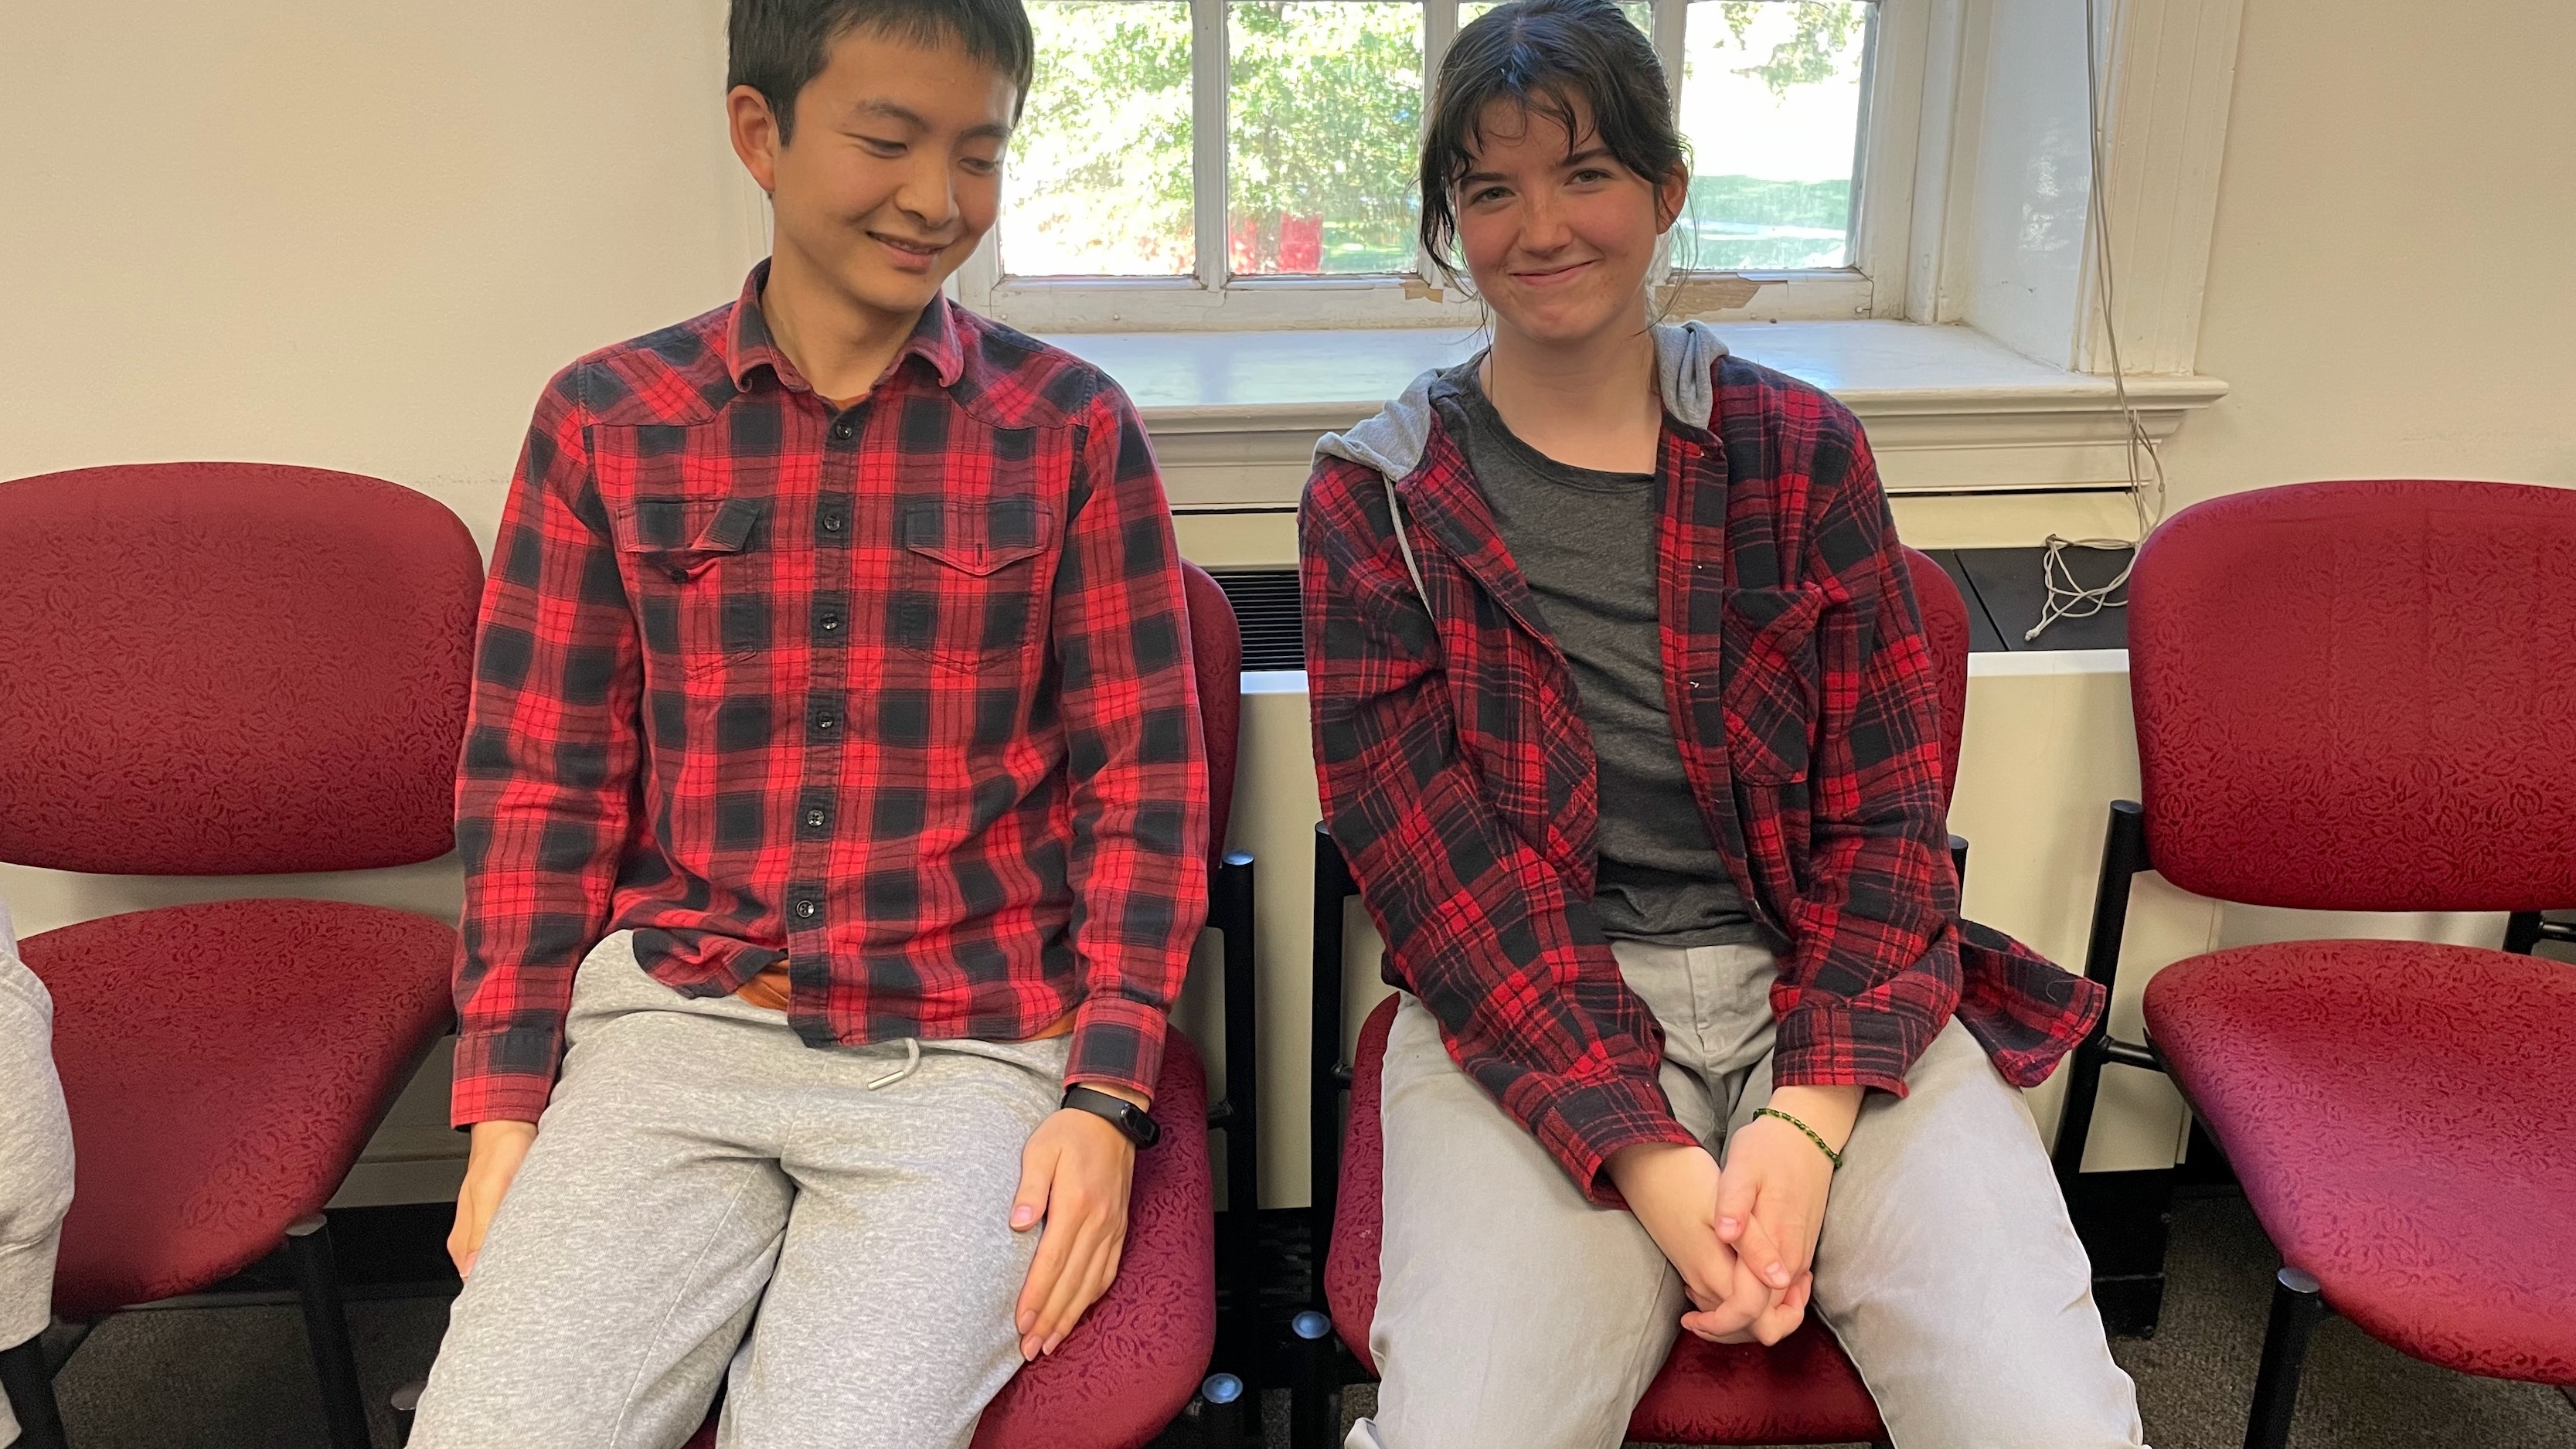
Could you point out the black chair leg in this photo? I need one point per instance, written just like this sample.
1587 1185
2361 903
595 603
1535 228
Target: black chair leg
30 1386
326 1331
2297 1309
1315 1406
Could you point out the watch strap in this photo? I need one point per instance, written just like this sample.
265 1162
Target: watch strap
1130 1119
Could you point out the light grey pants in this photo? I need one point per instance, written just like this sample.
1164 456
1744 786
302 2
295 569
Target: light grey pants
1512 1312
35 1156
706 1191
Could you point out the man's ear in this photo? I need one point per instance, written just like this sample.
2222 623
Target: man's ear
754 130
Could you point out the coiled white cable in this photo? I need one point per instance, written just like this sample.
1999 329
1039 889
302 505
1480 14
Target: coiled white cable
2067 597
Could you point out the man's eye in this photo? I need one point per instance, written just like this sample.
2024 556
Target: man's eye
980 166
881 146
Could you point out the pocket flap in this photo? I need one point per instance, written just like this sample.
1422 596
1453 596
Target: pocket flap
979 538
692 526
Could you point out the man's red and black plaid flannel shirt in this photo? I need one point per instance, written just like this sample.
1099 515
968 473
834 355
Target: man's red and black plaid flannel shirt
1459 778
900 695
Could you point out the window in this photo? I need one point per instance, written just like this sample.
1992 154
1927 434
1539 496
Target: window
1250 163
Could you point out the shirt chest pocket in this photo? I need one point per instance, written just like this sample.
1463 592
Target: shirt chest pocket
970 577
1772 683
696 571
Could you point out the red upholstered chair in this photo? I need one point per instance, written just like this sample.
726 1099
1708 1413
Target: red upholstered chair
2361 696
230 669
1137 1358
1800 1391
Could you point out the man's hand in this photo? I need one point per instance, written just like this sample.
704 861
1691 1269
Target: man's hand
1771 1206
491 1163
1074 1174
1673 1191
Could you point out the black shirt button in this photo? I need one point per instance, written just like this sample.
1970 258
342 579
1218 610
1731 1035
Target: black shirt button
832 522
842 430
814 819
831 623
826 721
808 909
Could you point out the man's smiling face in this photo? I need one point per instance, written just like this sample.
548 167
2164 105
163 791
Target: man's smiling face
893 171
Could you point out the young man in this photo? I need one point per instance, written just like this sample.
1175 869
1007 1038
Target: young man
832 812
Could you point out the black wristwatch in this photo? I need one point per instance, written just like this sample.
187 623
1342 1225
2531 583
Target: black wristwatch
1126 1116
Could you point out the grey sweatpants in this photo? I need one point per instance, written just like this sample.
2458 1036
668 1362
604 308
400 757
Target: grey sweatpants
1511 1311
827 1230
35 1156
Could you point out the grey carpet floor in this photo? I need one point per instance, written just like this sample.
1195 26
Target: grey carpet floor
237 1378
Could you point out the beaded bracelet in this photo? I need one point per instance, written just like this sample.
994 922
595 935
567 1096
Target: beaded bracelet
1831 1155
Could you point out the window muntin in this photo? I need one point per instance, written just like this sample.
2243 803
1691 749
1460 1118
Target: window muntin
1182 158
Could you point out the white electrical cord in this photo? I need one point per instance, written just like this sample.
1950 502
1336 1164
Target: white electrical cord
2067 598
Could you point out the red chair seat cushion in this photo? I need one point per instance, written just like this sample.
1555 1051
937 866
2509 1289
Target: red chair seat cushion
1801 1391
2399 1114
1137 1356
224 1064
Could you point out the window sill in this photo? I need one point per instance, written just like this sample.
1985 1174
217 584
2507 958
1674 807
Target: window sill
1234 416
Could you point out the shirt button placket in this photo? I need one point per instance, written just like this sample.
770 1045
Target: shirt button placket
827 701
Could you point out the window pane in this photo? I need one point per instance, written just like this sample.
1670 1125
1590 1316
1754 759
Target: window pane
1640 13
1325 108
1098 178
1771 97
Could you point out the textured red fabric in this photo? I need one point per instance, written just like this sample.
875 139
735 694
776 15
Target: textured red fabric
1945 634
1138 1354
2340 696
224 1064
1803 1391
1216 652
229 668
2398 1113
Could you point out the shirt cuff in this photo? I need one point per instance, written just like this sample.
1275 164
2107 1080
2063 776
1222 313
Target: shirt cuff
484 1091
1117 1040
1582 1126
1825 1043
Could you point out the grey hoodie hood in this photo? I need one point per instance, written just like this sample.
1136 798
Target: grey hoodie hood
1392 442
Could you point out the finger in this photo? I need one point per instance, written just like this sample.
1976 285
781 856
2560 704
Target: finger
1778 1322
1037 1170
1711 1328
1793 1237
1104 1271
1068 1300
1736 1190
1045 1272
1760 1250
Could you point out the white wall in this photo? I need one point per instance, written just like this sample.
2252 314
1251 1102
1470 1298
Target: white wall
2392 290
354 236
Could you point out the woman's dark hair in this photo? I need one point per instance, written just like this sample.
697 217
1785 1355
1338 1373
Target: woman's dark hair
776 46
1555 58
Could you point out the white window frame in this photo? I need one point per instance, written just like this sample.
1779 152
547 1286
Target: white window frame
1873 286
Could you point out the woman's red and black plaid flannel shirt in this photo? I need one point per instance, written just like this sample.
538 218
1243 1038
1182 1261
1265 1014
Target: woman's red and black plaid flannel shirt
900 695
1459 778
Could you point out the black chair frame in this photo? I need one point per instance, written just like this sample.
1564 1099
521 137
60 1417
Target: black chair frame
2123 1226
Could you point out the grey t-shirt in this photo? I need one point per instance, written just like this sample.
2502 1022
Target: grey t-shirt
1585 540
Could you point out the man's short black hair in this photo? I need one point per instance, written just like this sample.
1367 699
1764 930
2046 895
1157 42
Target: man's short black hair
776 46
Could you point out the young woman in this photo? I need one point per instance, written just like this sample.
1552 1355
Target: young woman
1625 719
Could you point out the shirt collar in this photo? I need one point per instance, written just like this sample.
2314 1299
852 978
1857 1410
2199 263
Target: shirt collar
749 346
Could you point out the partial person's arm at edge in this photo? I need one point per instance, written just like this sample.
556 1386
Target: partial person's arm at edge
1512 966
552 742
1881 892
1129 702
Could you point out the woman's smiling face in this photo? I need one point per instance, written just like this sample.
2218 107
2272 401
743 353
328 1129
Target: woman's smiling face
1557 233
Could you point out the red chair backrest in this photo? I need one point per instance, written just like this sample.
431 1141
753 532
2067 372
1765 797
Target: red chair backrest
229 668
2362 696
1216 651
1945 629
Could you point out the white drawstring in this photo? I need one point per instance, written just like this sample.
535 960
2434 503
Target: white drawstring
1395 515
911 1063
